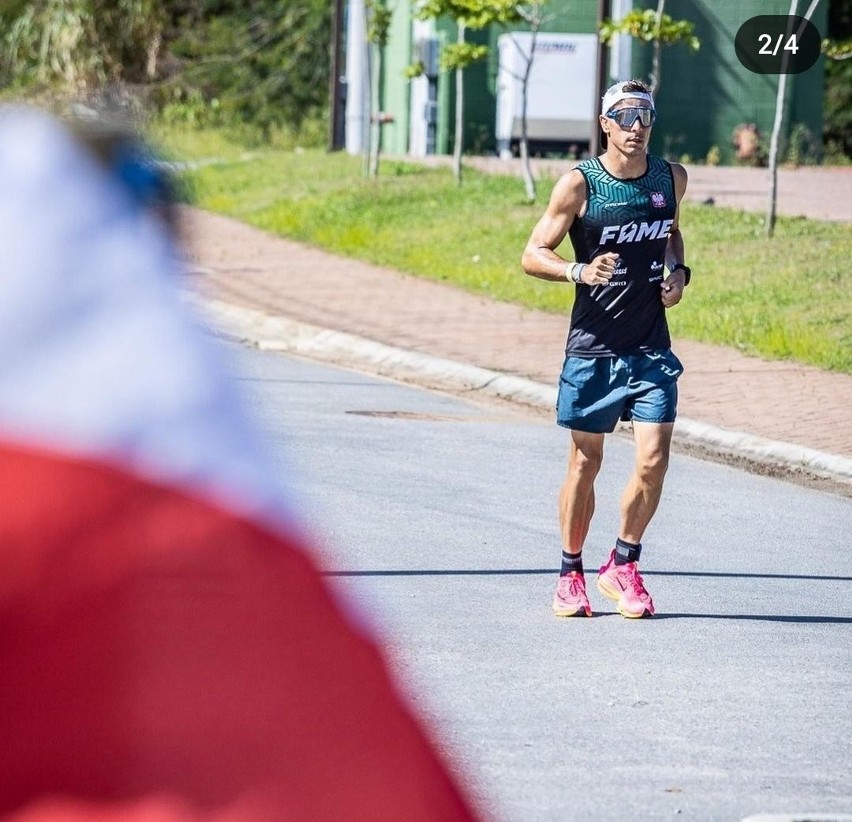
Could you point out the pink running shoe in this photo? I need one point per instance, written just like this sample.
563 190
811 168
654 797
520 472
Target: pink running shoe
570 599
624 584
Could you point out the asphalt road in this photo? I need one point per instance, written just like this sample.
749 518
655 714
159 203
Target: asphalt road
437 519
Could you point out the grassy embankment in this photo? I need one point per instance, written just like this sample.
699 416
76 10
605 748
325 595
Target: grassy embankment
788 297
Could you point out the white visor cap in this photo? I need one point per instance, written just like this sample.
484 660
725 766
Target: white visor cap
615 94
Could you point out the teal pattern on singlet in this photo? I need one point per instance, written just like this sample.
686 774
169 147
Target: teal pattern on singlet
632 218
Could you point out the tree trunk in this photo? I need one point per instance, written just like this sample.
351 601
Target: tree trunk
658 47
367 127
780 105
459 134
529 181
376 130
773 153
152 54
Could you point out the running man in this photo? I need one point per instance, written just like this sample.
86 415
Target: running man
620 211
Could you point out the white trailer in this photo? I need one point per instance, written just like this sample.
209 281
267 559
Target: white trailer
561 104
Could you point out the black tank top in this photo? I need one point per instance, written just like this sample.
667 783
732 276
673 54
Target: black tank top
632 218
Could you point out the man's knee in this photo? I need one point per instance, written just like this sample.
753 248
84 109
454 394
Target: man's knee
585 462
653 445
651 466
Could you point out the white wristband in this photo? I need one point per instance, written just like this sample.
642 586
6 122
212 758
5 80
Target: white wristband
577 272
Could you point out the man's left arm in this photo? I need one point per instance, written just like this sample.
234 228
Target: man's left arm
673 285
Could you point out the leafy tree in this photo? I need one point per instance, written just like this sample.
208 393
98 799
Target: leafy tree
780 110
532 13
80 44
379 18
474 14
654 27
263 62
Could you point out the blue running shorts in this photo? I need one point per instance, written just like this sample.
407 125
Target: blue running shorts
596 392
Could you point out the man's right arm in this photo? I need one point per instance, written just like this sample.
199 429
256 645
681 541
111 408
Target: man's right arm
540 259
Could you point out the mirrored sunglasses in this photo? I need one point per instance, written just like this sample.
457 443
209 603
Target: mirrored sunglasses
626 117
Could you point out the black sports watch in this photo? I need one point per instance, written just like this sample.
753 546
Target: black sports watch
687 272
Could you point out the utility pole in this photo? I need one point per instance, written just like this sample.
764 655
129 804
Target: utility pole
357 78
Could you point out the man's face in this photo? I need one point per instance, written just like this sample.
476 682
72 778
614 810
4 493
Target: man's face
624 127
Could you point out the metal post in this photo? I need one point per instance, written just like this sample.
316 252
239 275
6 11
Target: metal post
357 78
336 126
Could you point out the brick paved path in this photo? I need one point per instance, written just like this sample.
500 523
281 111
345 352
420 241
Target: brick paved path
240 264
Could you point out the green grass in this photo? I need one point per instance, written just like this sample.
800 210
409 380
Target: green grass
787 298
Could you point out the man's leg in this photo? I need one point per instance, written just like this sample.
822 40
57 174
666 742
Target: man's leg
576 506
619 579
577 496
642 494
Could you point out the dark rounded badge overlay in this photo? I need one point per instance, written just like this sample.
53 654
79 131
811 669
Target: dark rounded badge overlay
777 44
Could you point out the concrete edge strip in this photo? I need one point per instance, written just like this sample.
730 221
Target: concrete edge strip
283 334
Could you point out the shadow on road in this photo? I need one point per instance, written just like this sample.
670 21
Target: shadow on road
800 618
486 572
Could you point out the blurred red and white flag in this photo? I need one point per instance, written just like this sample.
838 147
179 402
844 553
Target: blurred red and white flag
168 649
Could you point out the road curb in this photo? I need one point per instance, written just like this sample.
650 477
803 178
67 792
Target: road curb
275 333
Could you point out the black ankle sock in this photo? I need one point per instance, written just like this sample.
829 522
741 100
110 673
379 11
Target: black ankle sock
627 552
571 562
